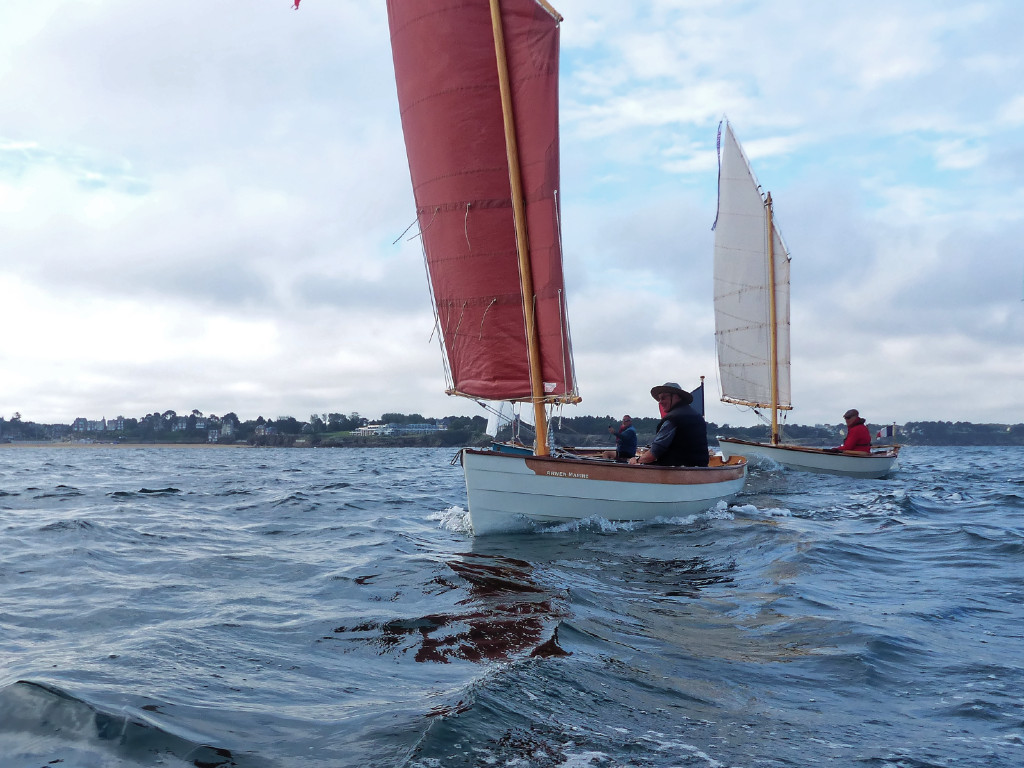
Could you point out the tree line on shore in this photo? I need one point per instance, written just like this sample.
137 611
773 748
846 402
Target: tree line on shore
586 429
338 429
327 429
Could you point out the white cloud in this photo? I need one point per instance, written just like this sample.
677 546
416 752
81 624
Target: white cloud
1011 113
199 204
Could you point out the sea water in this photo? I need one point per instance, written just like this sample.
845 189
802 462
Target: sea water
262 608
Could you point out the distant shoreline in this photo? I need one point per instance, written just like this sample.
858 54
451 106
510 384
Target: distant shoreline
63 444
223 446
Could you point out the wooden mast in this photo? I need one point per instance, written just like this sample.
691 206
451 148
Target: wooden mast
522 244
773 333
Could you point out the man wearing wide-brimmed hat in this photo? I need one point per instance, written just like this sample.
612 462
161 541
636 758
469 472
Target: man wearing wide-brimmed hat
682 439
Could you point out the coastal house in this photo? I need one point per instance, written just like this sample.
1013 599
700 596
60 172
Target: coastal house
82 424
411 429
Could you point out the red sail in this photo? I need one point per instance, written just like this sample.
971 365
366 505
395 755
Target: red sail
450 102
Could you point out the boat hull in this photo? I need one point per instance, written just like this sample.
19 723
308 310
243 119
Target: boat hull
508 492
846 463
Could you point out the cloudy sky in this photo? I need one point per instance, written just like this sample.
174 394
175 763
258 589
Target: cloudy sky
202 205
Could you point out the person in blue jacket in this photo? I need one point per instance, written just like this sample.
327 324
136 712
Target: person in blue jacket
625 440
682 439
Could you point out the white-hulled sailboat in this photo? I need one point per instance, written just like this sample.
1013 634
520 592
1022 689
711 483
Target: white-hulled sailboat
752 321
478 94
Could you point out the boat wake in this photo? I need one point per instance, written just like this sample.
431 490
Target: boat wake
597 524
453 519
750 511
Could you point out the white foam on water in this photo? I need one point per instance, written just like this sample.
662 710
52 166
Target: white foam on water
749 510
456 518
604 525
453 518
666 744
584 760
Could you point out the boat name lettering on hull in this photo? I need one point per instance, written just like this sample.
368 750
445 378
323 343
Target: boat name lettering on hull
578 475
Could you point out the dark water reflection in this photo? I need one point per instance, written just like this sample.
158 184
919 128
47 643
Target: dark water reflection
501 614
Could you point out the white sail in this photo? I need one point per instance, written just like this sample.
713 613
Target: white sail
506 413
498 418
742 313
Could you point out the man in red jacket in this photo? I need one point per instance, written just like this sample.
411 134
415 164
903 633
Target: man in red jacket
858 438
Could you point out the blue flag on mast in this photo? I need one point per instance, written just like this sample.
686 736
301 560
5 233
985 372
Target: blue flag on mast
698 398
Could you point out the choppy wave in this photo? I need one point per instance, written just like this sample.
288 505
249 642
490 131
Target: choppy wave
41 718
275 607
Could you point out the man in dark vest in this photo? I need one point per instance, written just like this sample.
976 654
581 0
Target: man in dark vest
682 439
